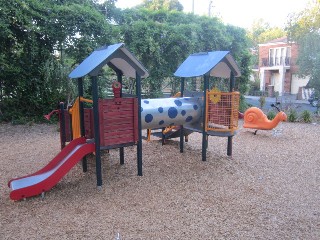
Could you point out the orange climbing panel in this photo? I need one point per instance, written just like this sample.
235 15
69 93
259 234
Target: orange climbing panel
222 111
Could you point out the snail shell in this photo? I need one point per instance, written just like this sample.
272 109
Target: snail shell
254 115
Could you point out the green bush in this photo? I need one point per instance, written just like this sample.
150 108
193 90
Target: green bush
254 86
271 115
243 104
306 116
262 101
292 116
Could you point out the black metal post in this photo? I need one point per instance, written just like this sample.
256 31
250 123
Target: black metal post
229 148
82 127
231 88
95 99
139 145
62 126
232 82
204 112
181 126
121 149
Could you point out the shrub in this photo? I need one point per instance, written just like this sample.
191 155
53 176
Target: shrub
306 116
271 115
262 101
254 86
243 104
292 116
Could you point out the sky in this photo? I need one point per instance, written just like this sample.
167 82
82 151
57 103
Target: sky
241 13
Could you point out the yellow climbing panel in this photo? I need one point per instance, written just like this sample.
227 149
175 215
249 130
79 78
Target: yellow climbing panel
75 116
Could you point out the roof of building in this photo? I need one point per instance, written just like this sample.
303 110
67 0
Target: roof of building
116 56
278 40
282 40
216 64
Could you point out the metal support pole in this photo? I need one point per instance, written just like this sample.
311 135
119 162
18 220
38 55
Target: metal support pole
232 82
229 149
62 126
204 133
94 81
231 88
82 127
121 150
181 126
139 145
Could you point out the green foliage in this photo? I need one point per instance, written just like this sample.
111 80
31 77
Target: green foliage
306 116
261 32
303 28
271 115
32 80
304 22
168 5
243 104
309 59
262 101
292 115
162 40
254 86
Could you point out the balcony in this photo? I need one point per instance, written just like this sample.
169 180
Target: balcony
273 62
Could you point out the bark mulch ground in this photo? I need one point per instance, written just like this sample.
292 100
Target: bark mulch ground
269 189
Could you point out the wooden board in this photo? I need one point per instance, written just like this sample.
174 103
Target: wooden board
118 121
88 123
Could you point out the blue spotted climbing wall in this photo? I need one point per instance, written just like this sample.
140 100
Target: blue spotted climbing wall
163 112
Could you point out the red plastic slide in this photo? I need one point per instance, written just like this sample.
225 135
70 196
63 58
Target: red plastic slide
44 179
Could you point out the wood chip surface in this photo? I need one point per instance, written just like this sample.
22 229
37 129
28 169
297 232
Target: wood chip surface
269 189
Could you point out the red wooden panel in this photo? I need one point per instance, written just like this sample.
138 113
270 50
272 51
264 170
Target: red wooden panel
135 119
67 124
118 128
88 123
117 114
115 134
114 108
117 101
118 141
100 108
118 121
109 123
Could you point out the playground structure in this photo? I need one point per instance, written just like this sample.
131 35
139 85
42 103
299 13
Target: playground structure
118 122
255 118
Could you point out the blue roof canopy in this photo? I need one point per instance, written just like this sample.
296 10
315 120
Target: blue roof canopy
116 56
216 64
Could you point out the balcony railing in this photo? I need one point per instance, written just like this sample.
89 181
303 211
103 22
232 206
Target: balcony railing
271 62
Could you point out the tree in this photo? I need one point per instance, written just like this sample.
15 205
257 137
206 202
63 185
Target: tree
168 5
32 79
163 39
261 32
303 28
